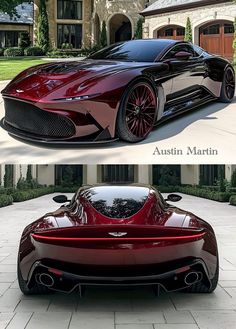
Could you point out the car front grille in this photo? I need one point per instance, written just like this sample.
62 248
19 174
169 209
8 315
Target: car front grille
31 119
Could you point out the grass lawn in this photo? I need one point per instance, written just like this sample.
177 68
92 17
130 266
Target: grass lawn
10 67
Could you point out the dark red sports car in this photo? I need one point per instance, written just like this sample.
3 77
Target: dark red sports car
121 91
118 235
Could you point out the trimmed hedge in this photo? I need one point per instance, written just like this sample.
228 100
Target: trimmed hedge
19 196
5 200
206 194
197 191
33 51
13 52
232 200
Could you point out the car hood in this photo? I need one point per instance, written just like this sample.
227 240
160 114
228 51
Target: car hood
39 81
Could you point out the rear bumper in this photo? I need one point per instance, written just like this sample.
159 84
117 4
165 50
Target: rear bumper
177 278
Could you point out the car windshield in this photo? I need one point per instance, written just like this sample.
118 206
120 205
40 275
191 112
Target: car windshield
132 51
117 201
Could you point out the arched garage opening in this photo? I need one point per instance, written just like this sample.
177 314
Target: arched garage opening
175 32
120 28
217 37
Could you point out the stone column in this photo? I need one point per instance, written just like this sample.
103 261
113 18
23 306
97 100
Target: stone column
229 169
90 174
190 174
87 24
46 174
144 176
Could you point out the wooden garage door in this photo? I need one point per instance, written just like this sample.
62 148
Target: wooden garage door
217 38
171 32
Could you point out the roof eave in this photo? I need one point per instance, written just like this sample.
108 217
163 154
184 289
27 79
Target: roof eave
182 7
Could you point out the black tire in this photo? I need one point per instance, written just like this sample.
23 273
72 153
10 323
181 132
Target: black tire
36 289
200 287
228 86
137 113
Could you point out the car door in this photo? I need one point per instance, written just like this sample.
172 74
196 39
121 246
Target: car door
187 71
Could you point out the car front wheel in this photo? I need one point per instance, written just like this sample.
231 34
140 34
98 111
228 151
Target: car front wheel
137 112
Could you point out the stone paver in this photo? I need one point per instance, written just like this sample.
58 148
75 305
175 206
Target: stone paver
110 308
210 127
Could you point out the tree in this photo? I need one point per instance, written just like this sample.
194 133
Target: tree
188 31
24 40
139 29
103 37
43 34
8 177
8 7
233 179
29 174
234 42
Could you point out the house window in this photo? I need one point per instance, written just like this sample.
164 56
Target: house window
212 29
228 28
69 9
69 175
169 32
69 33
117 173
180 31
210 174
9 38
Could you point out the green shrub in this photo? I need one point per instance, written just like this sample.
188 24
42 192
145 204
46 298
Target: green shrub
103 36
5 200
233 179
8 190
19 196
206 193
234 43
232 200
43 27
34 51
198 192
66 46
139 29
188 31
167 189
13 52
1 51
66 189
64 53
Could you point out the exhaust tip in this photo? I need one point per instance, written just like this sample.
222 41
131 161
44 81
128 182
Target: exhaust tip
46 280
191 278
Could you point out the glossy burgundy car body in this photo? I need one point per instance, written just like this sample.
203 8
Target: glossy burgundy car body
118 235
81 101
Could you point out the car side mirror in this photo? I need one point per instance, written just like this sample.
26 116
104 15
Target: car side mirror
60 199
173 198
181 55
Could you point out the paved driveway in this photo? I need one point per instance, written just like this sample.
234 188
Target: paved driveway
118 309
210 128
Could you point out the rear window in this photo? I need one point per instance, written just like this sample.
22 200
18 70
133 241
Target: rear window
117 201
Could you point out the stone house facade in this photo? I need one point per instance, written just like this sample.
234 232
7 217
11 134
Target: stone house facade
212 22
11 27
146 174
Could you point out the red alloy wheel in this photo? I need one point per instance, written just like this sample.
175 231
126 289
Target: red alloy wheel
229 83
140 110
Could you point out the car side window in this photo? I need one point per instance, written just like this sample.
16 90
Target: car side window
177 48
